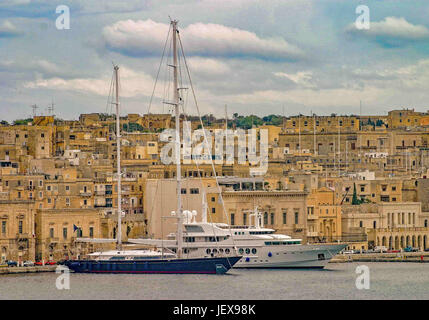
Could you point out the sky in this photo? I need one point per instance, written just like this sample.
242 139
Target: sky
255 56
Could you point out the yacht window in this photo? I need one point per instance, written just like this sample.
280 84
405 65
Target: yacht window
254 251
247 250
117 258
208 251
227 251
191 228
241 250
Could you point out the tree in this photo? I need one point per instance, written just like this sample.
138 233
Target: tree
355 200
22 121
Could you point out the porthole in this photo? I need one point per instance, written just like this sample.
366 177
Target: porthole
208 251
254 251
241 250
247 250
227 251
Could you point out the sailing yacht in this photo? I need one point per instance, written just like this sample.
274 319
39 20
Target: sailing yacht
152 261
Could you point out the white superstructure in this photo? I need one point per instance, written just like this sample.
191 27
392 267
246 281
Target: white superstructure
261 247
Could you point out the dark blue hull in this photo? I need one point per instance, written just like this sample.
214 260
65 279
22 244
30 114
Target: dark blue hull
199 266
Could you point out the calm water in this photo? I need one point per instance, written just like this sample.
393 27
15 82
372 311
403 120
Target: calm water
387 281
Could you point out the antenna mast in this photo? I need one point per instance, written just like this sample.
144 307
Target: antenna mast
34 107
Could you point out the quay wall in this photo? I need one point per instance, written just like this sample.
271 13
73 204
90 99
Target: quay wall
382 257
16 270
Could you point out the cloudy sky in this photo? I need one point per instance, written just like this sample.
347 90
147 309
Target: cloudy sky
256 56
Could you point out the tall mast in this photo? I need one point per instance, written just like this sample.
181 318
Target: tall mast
226 118
118 159
314 134
299 133
178 144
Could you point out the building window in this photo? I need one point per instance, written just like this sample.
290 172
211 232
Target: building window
91 232
272 218
296 217
284 217
265 218
232 219
3 226
195 191
67 188
213 210
244 219
360 224
65 233
183 191
51 232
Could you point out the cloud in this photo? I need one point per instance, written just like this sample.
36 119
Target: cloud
392 31
133 84
207 66
140 38
38 66
302 78
8 30
6 3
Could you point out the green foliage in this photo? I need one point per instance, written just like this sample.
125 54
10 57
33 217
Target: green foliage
355 200
132 126
22 121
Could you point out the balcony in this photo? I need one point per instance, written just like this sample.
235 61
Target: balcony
312 217
312 234
85 193
22 236
298 227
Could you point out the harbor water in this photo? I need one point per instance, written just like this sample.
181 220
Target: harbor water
393 280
